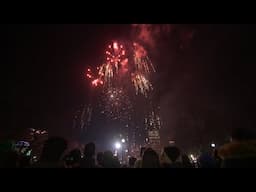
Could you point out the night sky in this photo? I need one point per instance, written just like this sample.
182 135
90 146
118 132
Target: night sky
204 76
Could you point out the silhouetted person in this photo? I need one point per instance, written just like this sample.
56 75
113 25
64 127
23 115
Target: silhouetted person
217 158
73 159
24 161
186 162
109 161
206 160
132 161
24 158
9 159
139 160
171 157
116 162
99 159
241 151
150 159
52 151
124 166
89 152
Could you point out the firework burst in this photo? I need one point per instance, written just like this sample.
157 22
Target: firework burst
116 104
116 64
115 58
141 84
94 81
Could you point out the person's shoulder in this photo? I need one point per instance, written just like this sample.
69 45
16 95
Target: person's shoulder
237 149
47 165
165 165
138 163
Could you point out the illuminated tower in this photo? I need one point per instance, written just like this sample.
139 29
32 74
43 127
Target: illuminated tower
152 128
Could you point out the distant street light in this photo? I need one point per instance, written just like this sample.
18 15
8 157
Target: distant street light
117 145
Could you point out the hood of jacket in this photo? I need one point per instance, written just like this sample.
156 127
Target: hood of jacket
235 149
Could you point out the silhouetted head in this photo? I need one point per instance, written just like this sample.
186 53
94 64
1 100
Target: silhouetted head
53 148
150 159
243 134
132 161
206 160
89 150
75 154
108 154
142 149
100 158
172 152
108 160
73 158
186 161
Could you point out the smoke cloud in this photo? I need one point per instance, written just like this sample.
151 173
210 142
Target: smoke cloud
150 33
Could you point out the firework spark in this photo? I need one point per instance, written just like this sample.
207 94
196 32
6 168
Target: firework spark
97 82
115 55
116 104
94 81
141 59
141 84
89 74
